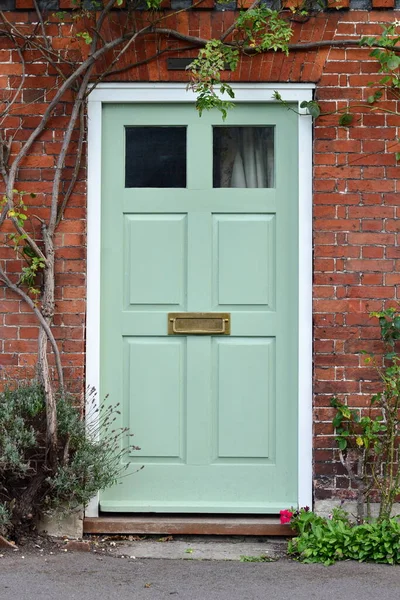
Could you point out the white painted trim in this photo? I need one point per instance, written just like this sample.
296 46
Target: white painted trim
176 92
93 267
305 414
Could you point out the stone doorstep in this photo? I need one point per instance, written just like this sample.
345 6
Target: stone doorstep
195 548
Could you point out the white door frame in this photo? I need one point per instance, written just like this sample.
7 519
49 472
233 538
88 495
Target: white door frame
176 92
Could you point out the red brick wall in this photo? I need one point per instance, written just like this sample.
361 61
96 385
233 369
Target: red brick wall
356 256
356 266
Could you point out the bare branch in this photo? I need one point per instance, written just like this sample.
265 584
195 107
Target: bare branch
346 463
5 150
89 62
21 85
196 41
12 286
64 148
76 167
31 41
42 27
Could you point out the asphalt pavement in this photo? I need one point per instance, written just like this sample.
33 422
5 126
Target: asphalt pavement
88 576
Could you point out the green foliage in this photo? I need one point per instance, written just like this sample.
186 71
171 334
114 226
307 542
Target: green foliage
87 461
389 322
313 108
205 72
29 273
363 431
374 97
259 29
85 36
346 119
18 209
386 52
327 540
370 440
96 459
151 4
262 29
34 263
5 518
60 15
19 410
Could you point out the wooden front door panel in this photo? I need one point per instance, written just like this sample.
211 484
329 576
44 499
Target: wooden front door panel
215 416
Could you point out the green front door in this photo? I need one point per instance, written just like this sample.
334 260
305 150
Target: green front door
199 215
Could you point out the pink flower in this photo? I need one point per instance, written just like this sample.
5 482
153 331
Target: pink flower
286 516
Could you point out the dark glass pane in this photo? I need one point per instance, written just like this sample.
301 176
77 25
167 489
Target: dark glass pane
155 157
243 157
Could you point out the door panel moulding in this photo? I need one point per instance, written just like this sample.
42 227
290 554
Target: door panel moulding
170 92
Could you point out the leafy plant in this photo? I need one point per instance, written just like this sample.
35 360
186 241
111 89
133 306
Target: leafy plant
87 461
258 29
5 518
327 540
205 74
262 28
369 443
385 51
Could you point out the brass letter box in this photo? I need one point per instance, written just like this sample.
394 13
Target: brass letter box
192 323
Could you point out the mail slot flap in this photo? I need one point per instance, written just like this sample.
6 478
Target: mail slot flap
199 323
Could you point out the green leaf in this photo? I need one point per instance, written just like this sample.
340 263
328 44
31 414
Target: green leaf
314 109
337 420
393 62
85 35
346 119
367 41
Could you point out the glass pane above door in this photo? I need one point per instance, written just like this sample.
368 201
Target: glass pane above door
155 157
243 157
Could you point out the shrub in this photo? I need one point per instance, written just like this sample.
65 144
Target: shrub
369 441
88 459
327 540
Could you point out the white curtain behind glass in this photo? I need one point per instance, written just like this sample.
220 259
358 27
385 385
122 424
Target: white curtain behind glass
247 157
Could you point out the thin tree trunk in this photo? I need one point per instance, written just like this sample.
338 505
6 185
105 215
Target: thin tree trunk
361 488
27 502
43 362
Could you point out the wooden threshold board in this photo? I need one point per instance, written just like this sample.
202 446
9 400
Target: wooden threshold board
187 525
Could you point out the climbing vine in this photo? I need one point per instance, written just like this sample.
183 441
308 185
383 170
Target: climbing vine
369 442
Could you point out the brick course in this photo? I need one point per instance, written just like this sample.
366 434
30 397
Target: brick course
356 206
